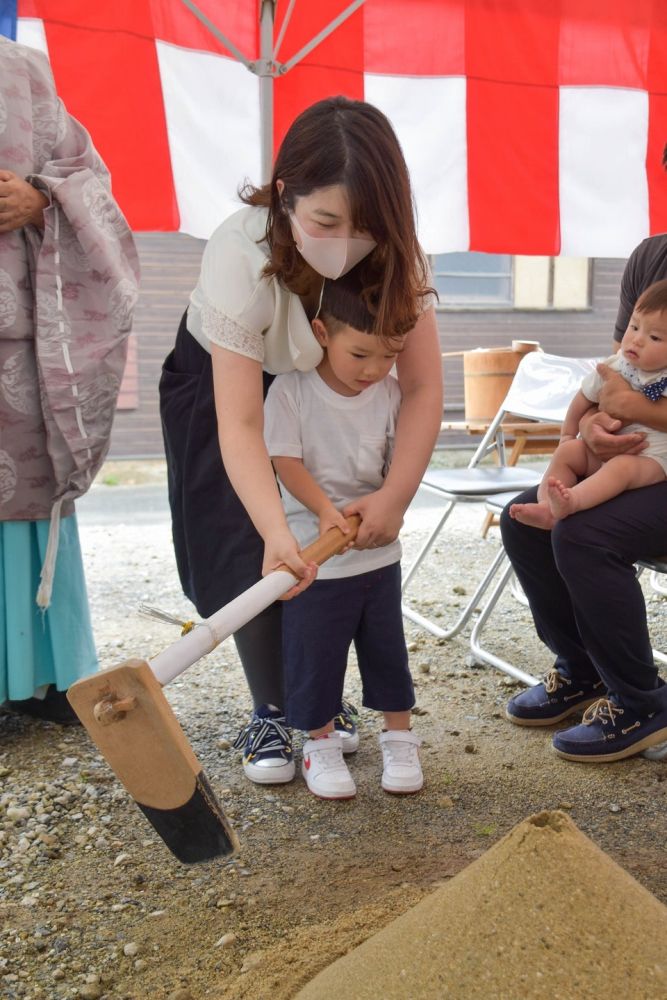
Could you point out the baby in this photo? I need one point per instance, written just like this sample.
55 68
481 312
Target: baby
576 479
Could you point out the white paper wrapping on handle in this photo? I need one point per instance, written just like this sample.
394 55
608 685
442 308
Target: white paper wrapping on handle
205 636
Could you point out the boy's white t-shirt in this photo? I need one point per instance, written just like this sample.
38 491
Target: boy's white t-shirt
345 442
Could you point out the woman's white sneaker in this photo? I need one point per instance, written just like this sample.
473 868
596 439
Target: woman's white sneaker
268 757
325 770
402 771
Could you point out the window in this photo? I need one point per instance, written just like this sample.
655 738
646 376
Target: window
492 281
473 279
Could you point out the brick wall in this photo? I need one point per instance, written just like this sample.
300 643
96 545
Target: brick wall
170 265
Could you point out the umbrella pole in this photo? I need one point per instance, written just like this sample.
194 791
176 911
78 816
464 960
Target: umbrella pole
266 88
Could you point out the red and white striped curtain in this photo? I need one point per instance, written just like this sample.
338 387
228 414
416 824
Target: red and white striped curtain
529 126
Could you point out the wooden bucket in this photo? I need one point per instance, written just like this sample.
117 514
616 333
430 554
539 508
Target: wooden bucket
487 376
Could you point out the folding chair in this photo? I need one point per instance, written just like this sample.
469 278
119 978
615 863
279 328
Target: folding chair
657 568
541 390
478 654
656 573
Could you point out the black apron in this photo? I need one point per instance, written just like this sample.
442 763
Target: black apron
218 551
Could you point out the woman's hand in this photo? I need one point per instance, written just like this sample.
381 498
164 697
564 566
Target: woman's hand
381 519
599 431
281 550
20 203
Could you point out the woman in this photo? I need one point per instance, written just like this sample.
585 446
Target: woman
68 284
339 197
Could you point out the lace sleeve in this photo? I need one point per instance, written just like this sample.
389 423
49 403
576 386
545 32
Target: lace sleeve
430 300
427 302
226 332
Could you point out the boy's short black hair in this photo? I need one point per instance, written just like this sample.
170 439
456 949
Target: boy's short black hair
344 303
653 298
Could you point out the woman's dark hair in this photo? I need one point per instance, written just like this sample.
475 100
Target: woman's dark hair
653 298
340 141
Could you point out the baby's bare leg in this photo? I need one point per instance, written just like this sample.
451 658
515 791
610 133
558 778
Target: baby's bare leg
625 472
571 460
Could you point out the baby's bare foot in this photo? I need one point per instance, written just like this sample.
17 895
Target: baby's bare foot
537 515
560 499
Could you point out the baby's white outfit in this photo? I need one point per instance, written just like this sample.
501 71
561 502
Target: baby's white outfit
637 378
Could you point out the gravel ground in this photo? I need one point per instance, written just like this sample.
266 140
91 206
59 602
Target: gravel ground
92 904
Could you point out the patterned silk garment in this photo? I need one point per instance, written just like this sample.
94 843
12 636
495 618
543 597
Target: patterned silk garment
67 294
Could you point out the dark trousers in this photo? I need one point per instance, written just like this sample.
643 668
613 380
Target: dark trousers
584 595
319 627
218 551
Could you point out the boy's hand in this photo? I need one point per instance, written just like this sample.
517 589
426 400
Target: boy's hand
332 518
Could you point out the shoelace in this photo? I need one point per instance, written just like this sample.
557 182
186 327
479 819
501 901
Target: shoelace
264 734
603 710
348 716
553 681
344 720
349 710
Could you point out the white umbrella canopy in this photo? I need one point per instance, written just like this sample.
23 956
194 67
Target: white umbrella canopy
529 127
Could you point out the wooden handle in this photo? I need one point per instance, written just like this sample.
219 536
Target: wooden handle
329 544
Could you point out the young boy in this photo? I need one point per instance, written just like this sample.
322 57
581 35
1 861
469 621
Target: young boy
642 360
329 433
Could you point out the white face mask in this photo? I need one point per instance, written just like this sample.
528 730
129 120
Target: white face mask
331 256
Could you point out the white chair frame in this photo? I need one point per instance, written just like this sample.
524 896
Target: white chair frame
479 655
541 390
657 568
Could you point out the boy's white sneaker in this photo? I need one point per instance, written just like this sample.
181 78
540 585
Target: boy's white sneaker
325 770
402 771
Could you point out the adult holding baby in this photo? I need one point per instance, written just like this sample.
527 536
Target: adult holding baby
581 582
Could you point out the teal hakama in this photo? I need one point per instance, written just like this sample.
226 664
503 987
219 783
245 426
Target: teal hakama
38 647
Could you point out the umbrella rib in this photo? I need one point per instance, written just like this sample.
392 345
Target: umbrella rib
283 29
215 31
314 42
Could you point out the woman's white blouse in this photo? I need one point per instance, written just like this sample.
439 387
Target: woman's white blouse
237 307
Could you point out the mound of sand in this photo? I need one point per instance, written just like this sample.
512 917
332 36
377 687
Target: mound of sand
544 913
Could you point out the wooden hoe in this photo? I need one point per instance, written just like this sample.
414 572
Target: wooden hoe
133 726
